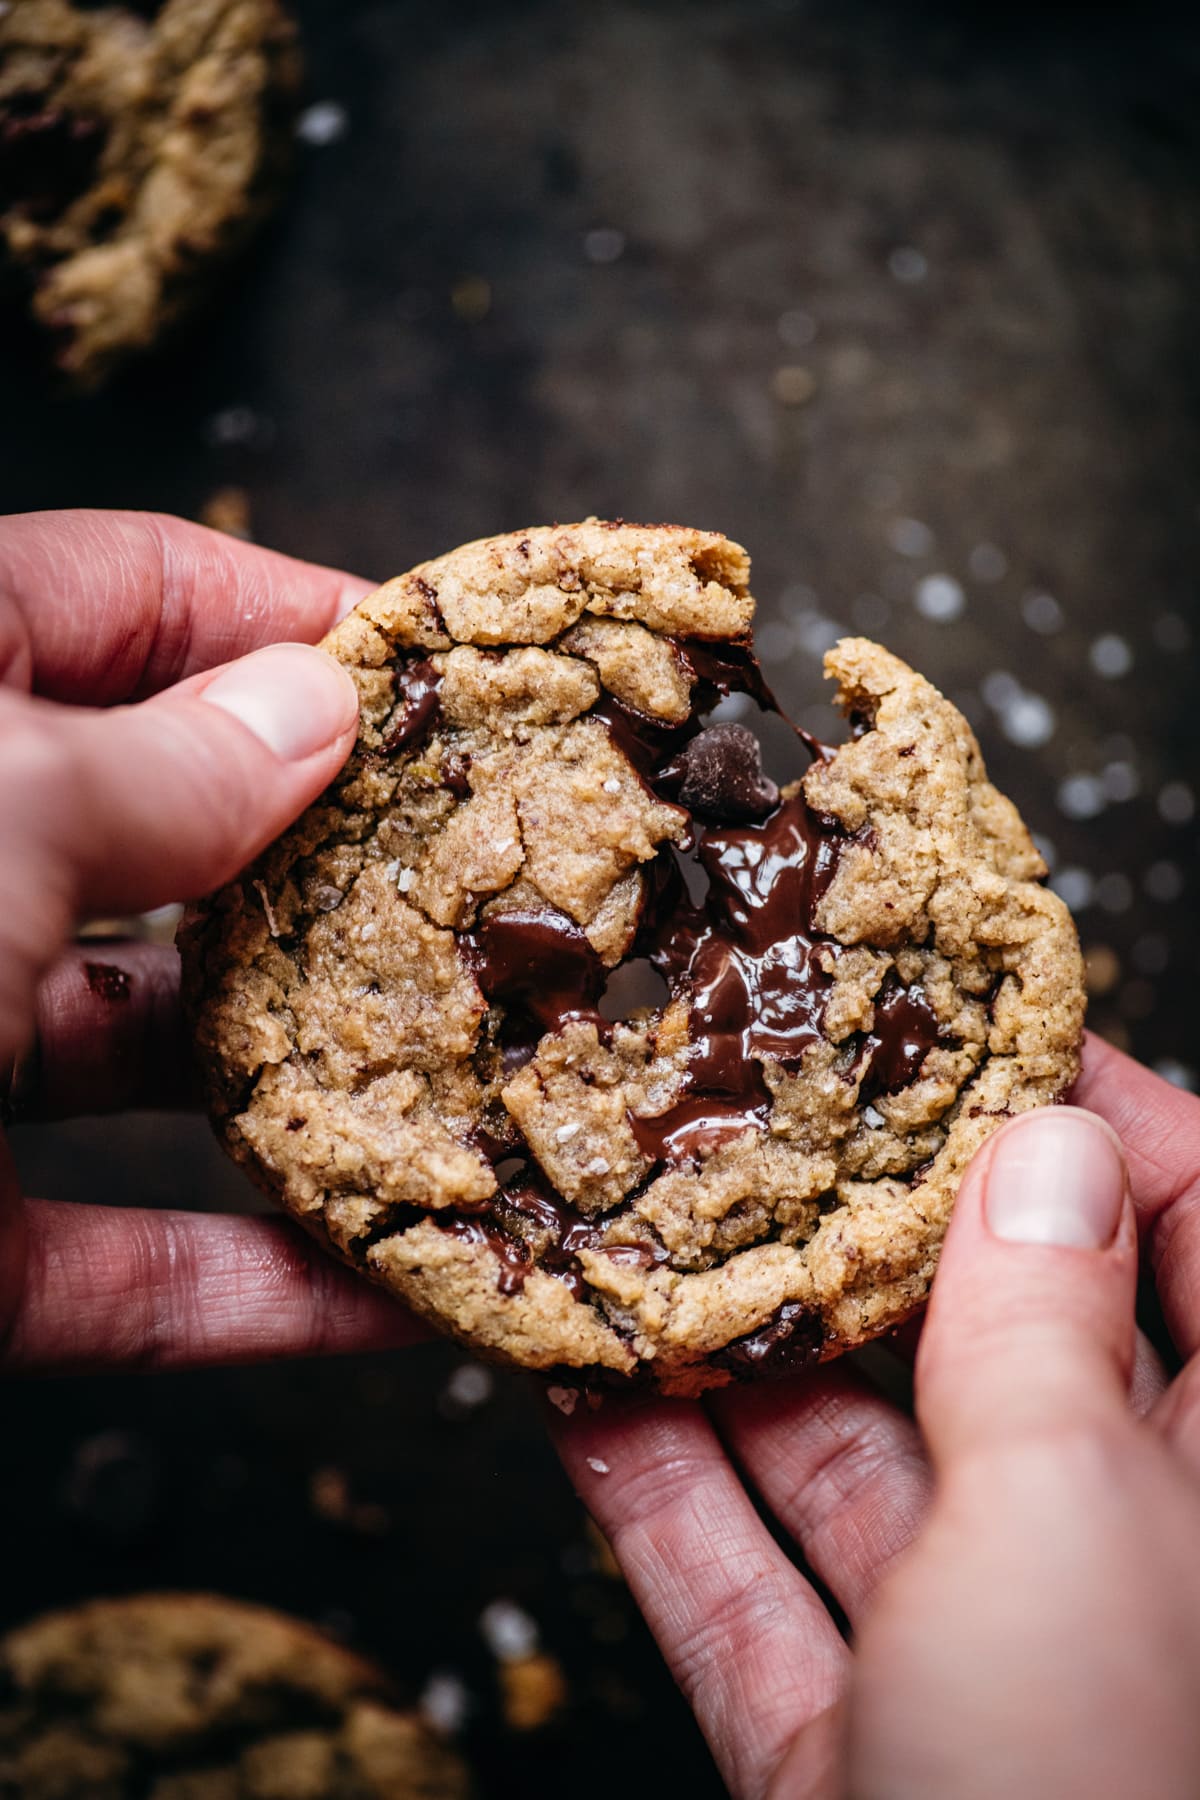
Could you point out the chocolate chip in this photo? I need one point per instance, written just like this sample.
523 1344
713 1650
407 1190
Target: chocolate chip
721 775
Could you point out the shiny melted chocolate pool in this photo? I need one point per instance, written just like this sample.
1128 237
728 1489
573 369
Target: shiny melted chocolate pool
747 955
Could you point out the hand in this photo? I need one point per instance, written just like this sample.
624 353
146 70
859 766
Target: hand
119 810
1021 1575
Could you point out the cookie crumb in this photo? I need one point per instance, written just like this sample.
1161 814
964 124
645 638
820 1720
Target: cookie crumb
533 1690
564 1398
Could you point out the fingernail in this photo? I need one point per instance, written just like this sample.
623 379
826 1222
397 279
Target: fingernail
1057 1178
294 698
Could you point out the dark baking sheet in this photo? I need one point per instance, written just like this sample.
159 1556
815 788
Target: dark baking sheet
900 297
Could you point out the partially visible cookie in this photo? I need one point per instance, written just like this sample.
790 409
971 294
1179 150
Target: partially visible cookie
417 1013
140 146
194 1697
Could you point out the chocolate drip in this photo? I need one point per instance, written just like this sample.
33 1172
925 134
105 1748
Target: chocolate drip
790 1340
905 1030
749 957
417 686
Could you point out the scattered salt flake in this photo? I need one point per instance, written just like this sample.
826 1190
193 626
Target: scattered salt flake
405 879
1111 656
599 1165
504 844
469 1386
872 1116
1028 721
612 785
910 537
565 1133
1179 1074
1176 803
939 597
1163 881
908 264
564 1398
1074 887
507 1630
597 1465
797 328
444 1702
322 123
604 245
1170 632
987 562
1081 797
1042 613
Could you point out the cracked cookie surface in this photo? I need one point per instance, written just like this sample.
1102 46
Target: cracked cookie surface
557 1017
140 147
196 1697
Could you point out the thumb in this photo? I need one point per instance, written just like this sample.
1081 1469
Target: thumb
116 811
1030 1327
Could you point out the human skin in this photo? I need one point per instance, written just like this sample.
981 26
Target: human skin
1017 1564
140 763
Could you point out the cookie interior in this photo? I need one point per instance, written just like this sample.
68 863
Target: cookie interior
416 1010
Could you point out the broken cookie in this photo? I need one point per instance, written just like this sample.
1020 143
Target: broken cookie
560 1019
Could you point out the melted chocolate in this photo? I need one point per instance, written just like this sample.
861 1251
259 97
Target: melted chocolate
790 1340
539 963
749 958
905 1030
417 687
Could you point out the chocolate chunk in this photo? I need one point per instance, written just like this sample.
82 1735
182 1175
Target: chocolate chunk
905 1030
721 776
417 688
790 1340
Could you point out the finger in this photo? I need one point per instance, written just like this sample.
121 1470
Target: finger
108 1036
1159 1126
1030 1325
107 1288
1147 1382
744 1634
841 1469
114 812
108 606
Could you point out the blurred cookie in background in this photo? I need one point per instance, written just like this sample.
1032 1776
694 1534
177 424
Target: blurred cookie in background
197 1697
140 148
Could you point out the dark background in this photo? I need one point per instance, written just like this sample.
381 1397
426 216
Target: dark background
902 298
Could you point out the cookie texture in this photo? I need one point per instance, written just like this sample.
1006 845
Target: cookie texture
560 1019
195 1697
140 146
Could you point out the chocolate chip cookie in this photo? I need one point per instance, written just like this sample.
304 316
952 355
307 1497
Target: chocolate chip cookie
140 146
606 1050
192 1697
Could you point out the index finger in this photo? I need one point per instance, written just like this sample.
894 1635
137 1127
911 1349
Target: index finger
110 606
1159 1126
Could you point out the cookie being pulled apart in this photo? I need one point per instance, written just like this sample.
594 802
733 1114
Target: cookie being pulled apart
418 1027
